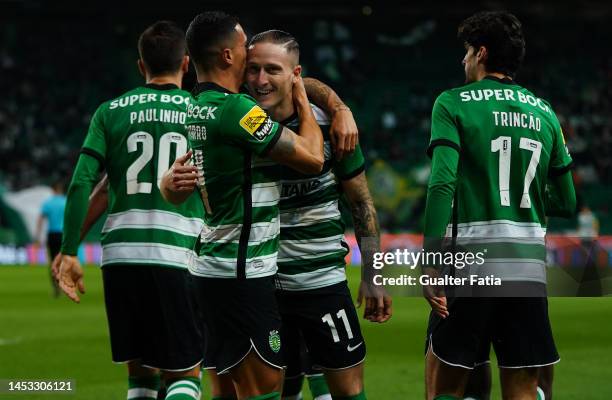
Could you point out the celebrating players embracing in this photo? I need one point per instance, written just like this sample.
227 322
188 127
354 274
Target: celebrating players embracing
230 135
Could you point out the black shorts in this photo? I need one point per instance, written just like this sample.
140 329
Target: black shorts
517 327
151 316
239 315
54 244
295 353
327 322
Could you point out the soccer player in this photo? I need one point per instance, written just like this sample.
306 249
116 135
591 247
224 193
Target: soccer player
52 210
232 139
146 242
313 295
495 147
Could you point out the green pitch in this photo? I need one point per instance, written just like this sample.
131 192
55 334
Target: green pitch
46 338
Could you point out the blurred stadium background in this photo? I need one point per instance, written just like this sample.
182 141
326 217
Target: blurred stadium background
59 61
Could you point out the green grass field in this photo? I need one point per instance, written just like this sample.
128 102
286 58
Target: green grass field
46 338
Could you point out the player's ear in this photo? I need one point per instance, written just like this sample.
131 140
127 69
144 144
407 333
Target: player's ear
482 54
141 67
227 56
297 71
185 64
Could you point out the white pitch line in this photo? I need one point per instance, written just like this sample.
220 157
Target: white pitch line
10 341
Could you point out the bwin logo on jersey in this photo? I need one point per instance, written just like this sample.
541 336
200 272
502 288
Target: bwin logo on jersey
264 130
275 341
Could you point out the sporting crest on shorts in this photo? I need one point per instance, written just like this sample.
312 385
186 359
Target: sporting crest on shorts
275 341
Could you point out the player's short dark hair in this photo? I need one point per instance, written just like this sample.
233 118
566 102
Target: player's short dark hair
162 47
207 33
279 37
502 35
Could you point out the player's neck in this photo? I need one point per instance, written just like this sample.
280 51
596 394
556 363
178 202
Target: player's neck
283 110
165 80
498 75
222 78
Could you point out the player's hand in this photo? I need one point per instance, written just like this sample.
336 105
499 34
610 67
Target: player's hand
55 266
300 98
435 296
343 132
378 303
71 277
181 177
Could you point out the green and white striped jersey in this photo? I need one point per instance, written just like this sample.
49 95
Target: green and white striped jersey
510 142
312 247
136 137
240 188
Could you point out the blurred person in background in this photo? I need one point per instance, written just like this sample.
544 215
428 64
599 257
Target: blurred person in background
52 211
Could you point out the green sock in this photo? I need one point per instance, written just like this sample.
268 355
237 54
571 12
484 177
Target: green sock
143 387
360 396
318 386
268 396
446 397
541 395
184 389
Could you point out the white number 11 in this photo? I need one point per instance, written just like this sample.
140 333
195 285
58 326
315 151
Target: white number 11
332 326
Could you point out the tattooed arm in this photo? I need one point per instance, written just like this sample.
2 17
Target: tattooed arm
378 302
343 131
297 152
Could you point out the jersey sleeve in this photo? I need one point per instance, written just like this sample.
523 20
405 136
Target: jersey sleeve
444 130
248 125
440 192
560 159
95 141
351 165
77 200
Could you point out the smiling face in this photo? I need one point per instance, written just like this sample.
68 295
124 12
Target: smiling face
270 73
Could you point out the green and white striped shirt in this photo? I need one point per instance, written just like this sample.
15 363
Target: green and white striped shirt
230 136
312 246
136 137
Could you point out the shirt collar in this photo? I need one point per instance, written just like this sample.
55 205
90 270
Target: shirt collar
164 86
204 86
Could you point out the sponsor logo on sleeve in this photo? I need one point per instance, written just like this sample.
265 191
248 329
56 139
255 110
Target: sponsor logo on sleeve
257 123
